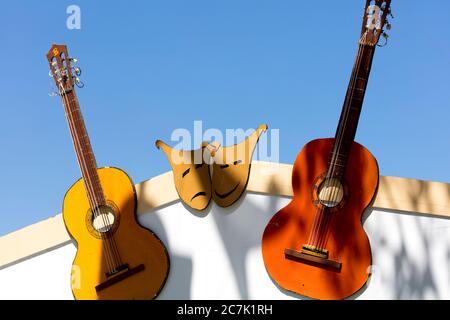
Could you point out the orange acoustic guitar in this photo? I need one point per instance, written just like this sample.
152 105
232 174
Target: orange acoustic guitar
116 257
316 245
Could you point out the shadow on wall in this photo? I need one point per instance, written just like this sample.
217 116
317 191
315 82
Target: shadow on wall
180 274
414 251
415 254
243 233
412 243
240 230
405 246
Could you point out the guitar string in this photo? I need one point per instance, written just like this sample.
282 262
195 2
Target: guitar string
371 55
325 235
82 164
109 237
319 212
107 225
110 257
332 181
318 220
107 233
336 182
95 205
98 208
337 185
327 215
371 52
318 216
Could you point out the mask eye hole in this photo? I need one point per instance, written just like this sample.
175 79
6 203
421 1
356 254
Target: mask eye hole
224 166
186 172
237 162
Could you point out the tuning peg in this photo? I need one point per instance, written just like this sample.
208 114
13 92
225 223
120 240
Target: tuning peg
386 37
388 26
77 71
79 83
390 13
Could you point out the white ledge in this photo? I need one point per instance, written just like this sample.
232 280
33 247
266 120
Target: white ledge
396 194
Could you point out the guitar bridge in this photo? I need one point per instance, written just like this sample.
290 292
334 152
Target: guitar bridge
117 270
315 251
121 273
314 256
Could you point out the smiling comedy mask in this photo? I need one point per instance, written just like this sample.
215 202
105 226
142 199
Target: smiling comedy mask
190 174
231 168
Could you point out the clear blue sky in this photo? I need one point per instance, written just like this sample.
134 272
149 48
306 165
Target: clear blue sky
153 66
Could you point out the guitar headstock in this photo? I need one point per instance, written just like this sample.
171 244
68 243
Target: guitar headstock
375 21
62 69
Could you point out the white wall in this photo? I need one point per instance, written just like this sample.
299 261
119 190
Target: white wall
217 255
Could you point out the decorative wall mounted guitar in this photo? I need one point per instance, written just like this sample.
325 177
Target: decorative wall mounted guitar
316 245
116 257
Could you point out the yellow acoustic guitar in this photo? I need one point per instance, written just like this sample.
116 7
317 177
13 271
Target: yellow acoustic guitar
116 257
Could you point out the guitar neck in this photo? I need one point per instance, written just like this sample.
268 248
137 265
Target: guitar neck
351 110
83 149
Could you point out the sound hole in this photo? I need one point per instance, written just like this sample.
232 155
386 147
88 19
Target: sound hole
331 192
102 221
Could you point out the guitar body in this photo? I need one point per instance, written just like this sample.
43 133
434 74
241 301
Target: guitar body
136 245
347 242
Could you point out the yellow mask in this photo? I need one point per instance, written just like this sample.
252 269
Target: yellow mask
231 168
190 174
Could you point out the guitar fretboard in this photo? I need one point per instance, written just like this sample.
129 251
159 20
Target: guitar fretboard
351 110
83 150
